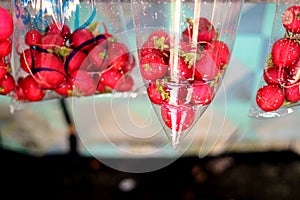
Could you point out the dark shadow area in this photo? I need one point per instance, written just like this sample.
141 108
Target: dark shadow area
261 175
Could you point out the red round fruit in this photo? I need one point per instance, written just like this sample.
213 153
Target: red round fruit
292 93
285 52
6 24
270 97
84 83
291 19
221 49
7 84
27 59
275 75
177 117
208 66
31 90
125 83
33 37
5 47
79 37
152 67
157 93
110 78
202 93
59 28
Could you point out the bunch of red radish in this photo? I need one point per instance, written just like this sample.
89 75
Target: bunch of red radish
68 63
282 72
7 82
197 69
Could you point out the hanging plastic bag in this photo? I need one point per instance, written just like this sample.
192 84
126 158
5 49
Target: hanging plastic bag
7 82
278 92
69 48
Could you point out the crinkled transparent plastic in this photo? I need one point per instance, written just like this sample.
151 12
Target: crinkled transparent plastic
70 49
278 92
184 49
7 82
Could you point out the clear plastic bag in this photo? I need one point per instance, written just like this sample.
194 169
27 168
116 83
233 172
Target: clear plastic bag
7 81
70 49
278 92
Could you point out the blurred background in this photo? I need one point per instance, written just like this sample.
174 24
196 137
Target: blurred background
232 156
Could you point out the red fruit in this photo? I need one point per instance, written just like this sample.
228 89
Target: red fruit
84 84
221 49
27 59
5 47
206 30
131 64
285 52
158 42
3 69
125 83
18 92
66 89
202 93
48 71
292 93
270 97
177 117
31 90
51 41
152 67
98 55
7 84
157 93
110 78
208 66
79 37
291 19
293 70
6 24
275 75
100 87
181 70
74 60
118 56
33 37
59 28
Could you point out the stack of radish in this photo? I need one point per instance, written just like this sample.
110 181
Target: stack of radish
7 82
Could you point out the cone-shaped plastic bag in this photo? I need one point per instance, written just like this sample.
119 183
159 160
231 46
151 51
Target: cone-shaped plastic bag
69 48
184 48
278 92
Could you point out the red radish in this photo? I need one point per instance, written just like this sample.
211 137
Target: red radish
31 89
84 84
182 70
6 24
79 37
48 71
125 83
157 93
99 56
131 64
291 19
177 117
207 67
206 30
59 28
5 47
158 42
285 52
292 92
7 84
293 71
52 41
66 90
27 59
3 69
110 78
118 55
18 91
220 48
33 37
275 75
202 93
152 67
74 60
101 87
270 97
